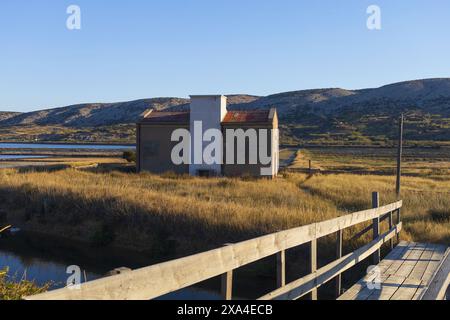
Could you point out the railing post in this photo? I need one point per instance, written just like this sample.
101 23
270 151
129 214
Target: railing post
398 221
226 287
339 236
281 269
376 225
391 224
313 264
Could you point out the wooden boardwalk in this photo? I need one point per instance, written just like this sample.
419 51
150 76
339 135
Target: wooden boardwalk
405 274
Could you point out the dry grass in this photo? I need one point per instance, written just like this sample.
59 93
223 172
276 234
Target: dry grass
420 162
145 207
172 214
10 289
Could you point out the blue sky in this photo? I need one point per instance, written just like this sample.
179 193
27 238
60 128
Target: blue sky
150 48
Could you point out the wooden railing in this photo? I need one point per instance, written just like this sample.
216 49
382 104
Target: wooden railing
440 281
157 280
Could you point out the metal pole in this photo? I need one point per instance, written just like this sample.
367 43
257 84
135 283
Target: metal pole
399 157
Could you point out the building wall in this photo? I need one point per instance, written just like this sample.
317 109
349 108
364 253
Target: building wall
253 169
155 148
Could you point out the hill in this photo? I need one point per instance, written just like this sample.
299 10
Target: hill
318 116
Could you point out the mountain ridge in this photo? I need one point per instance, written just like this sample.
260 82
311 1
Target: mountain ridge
327 114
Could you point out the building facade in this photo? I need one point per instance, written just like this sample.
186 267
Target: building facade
220 142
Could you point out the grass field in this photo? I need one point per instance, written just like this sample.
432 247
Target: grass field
170 214
420 162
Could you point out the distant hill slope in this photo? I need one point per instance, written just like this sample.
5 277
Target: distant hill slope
332 116
6 115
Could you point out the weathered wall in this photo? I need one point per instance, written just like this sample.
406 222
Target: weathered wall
155 148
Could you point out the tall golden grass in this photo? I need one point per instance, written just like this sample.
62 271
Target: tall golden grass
168 214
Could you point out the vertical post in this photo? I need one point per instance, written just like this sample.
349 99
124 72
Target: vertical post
138 148
376 225
281 269
313 264
227 285
399 157
398 221
339 236
391 224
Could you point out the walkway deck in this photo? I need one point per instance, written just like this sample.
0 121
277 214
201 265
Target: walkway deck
405 274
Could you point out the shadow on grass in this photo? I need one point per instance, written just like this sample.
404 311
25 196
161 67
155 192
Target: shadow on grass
111 220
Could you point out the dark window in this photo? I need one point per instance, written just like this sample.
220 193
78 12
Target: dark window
205 173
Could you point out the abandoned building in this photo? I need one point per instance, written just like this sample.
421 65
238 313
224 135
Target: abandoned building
248 146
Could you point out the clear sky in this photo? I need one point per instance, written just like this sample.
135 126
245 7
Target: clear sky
151 48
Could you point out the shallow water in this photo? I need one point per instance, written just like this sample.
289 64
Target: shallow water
18 157
63 146
45 260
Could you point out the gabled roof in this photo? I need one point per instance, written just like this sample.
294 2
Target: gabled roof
166 117
248 116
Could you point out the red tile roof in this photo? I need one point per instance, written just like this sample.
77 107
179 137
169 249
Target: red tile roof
247 116
167 117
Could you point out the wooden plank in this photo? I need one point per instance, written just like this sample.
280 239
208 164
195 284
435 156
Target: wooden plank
413 282
388 288
405 279
407 290
328 227
226 287
356 291
398 262
391 223
398 221
338 281
313 264
409 264
302 286
5 228
430 270
376 226
440 281
435 261
422 264
157 280
281 269
392 262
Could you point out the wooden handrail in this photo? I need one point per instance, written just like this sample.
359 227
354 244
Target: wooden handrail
5 228
157 280
303 286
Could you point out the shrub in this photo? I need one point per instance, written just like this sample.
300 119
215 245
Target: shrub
130 156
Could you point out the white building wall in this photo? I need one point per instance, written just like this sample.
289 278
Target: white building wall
207 112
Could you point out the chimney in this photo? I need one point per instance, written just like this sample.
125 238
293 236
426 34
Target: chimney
209 108
209 111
